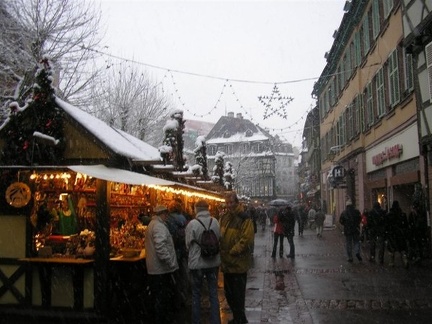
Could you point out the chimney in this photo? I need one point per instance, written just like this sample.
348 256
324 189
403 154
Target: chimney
239 116
230 114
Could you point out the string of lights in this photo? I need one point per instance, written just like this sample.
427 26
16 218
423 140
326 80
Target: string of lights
198 74
227 83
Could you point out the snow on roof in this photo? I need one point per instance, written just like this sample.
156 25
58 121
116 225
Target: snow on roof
117 140
238 138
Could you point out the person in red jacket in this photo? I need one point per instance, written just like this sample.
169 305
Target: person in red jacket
278 235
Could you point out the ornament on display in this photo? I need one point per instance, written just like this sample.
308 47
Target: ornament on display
18 194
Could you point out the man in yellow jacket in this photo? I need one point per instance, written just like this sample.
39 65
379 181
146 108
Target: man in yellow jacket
237 239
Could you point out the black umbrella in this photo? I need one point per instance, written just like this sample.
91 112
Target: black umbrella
278 202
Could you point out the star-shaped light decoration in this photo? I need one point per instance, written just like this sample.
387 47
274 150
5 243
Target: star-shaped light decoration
280 104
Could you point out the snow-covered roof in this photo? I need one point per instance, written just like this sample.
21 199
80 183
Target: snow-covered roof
238 138
248 155
117 140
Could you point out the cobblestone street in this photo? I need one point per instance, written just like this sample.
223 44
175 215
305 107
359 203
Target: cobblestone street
320 286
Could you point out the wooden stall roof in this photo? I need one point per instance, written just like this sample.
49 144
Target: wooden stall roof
92 142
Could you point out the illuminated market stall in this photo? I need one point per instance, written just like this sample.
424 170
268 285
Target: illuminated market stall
72 204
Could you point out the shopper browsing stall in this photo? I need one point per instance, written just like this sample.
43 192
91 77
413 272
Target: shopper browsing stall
161 262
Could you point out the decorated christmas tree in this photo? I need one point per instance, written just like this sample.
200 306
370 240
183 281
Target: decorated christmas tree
35 131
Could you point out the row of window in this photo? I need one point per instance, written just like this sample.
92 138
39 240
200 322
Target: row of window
379 97
258 187
228 134
357 50
243 148
390 84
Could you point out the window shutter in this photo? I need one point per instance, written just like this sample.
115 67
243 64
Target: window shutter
429 68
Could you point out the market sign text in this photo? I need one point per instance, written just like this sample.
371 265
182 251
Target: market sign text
389 153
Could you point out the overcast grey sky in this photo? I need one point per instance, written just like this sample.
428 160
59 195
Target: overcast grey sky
199 49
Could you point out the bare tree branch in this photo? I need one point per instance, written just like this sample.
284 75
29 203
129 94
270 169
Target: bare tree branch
127 99
63 31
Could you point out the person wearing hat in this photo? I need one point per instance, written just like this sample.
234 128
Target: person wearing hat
203 267
161 262
350 219
237 241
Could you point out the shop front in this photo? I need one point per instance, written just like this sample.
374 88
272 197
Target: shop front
100 258
393 170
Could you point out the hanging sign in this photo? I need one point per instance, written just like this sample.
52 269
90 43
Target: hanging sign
336 177
388 153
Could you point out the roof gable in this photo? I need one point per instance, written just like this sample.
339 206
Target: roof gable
116 140
234 129
86 138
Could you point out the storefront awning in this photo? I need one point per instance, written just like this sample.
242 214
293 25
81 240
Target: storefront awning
119 175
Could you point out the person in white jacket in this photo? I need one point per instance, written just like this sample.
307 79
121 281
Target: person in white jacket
161 262
201 267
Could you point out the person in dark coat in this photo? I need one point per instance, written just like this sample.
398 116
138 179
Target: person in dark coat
417 229
288 220
376 232
396 225
319 221
278 234
350 219
301 218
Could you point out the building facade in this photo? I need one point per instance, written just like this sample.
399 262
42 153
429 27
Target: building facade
286 170
417 26
368 111
256 156
310 164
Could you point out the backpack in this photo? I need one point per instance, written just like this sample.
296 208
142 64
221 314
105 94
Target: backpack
209 243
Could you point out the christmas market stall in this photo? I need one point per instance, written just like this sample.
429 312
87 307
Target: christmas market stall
74 197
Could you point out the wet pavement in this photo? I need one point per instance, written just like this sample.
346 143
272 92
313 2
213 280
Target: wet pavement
320 286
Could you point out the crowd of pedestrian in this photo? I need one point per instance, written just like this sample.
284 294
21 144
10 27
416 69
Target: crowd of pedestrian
386 233
176 263
178 258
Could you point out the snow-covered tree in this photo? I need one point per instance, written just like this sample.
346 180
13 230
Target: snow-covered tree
127 99
201 157
66 31
35 137
229 176
218 169
172 145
